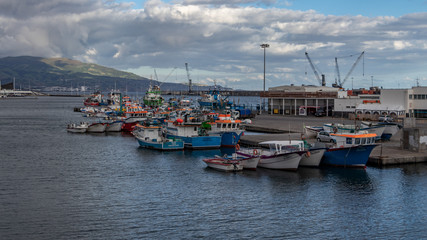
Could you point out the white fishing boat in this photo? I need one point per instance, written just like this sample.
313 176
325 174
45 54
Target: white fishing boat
249 157
313 156
390 128
352 128
77 128
311 131
96 127
115 126
283 155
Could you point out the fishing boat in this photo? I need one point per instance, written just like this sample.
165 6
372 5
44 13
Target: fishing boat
314 155
353 128
224 164
214 100
153 97
77 128
228 128
311 131
250 157
192 133
96 127
390 129
151 136
94 100
350 149
114 126
283 155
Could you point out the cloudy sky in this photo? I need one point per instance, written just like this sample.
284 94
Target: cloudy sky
220 39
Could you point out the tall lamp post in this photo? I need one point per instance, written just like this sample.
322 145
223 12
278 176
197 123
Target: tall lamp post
264 46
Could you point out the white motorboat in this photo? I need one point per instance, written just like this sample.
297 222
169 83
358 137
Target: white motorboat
77 128
96 127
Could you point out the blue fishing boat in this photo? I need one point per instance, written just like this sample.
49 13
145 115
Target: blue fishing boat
350 149
214 100
192 134
228 128
150 136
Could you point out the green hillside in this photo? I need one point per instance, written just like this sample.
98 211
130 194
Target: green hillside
43 73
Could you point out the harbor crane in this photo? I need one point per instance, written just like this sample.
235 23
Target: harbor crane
189 79
321 80
338 82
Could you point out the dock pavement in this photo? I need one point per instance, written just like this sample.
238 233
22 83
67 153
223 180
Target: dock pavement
266 127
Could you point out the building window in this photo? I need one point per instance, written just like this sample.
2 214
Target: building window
410 96
415 96
423 96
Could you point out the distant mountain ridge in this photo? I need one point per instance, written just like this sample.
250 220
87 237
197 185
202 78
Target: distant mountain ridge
46 74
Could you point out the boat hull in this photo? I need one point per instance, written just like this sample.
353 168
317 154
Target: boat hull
128 127
165 146
230 139
313 159
354 156
77 130
200 142
114 127
284 161
96 128
223 165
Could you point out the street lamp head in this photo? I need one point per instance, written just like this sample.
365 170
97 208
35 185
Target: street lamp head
265 45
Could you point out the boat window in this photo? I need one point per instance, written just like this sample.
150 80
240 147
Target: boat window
368 140
363 140
218 125
357 141
228 125
233 125
348 141
195 129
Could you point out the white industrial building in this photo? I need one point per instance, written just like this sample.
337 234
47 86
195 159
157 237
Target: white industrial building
305 100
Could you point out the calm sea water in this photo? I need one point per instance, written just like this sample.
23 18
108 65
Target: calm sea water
58 185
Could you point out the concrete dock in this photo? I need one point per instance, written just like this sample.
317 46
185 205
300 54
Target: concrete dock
279 127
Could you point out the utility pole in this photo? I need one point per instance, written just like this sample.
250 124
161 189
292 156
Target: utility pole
264 46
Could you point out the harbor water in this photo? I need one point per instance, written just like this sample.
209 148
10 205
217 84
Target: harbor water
59 185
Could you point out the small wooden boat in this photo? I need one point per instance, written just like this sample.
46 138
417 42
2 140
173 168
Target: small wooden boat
224 164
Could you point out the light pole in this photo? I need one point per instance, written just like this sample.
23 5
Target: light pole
264 46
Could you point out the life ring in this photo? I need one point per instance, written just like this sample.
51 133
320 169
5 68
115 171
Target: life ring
255 152
237 147
307 154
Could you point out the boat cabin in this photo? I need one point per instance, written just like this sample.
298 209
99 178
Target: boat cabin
284 146
354 139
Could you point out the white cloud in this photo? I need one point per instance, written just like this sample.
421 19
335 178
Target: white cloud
219 39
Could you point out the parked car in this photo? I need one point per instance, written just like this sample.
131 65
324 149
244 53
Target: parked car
323 136
385 119
320 113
